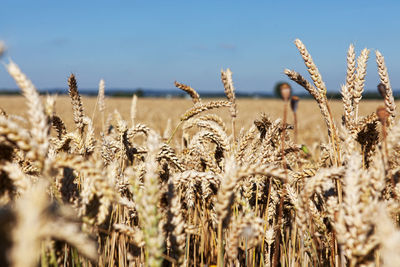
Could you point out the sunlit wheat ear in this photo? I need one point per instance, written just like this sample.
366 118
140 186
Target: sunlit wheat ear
359 80
232 242
351 68
20 180
2 48
311 67
135 233
218 134
101 102
133 109
37 116
37 221
197 109
389 237
28 231
166 152
18 136
94 183
269 239
384 76
179 225
320 95
90 140
226 77
138 129
76 103
353 223
347 98
393 138
348 88
313 185
148 204
226 191
296 77
186 181
190 91
214 118
198 149
224 200
299 79
49 105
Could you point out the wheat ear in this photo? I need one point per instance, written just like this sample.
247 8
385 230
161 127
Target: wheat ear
347 99
190 91
351 68
101 101
76 103
37 118
359 81
347 89
311 67
321 89
148 204
2 48
133 109
226 77
384 76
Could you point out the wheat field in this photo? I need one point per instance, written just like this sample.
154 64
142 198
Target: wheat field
155 112
202 182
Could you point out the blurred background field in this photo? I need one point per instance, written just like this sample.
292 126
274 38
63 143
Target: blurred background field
155 112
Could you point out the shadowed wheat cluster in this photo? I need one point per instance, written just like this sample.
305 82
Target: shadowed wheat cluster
214 194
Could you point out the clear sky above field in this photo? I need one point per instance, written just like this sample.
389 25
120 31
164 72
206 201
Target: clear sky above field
150 44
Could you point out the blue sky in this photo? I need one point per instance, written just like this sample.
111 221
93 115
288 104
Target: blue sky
150 44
